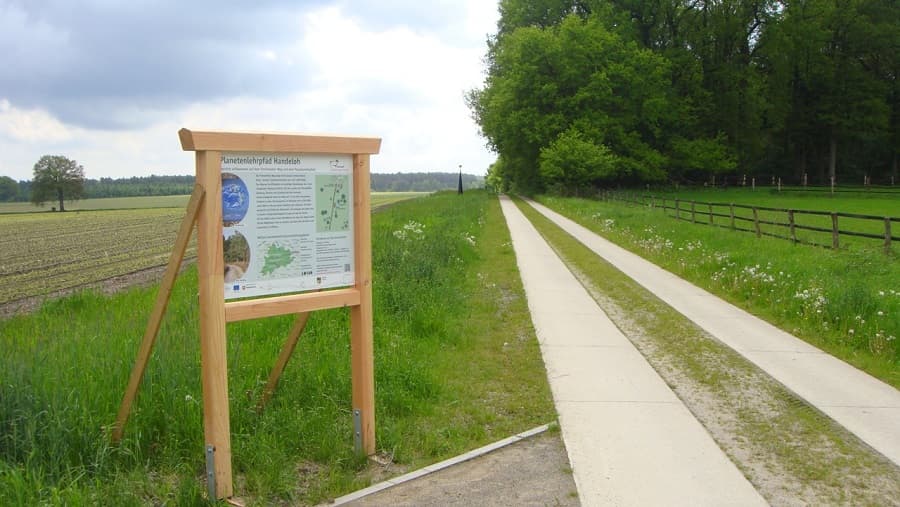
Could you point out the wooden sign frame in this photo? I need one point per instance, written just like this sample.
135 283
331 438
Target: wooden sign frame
205 209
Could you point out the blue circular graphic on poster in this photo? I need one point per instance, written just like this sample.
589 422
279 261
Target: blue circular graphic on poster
235 199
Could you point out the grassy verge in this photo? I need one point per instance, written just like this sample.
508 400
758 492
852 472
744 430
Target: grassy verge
847 303
791 453
457 366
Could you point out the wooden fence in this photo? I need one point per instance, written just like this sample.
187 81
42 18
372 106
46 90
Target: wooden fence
797 226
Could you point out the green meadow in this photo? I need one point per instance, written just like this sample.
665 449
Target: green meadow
456 366
845 301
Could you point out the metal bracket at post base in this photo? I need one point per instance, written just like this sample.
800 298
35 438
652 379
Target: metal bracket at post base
211 471
357 431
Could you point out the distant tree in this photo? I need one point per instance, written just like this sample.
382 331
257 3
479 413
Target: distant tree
9 189
57 178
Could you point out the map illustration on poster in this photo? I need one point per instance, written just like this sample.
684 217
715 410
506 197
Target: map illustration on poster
287 223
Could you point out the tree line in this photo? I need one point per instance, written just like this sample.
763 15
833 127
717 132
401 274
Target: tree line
586 93
11 190
422 182
54 174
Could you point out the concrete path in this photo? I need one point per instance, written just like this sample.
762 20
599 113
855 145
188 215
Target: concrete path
861 403
630 439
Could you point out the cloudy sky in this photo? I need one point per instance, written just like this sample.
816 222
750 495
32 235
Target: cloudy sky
109 82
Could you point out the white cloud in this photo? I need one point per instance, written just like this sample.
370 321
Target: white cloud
392 79
31 125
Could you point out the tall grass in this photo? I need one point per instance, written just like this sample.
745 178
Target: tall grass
449 377
847 302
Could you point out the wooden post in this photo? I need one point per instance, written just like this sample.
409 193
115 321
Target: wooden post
213 353
791 226
731 212
756 222
835 233
693 213
283 357
887 235
361 340
677 209
159 309
710 214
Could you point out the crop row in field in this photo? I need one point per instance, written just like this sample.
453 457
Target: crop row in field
164 201
54 251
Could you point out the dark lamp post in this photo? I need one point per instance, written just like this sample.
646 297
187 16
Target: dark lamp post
459 190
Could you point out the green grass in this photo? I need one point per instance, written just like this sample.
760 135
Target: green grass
713 207
846 302
765 429
877 204
55 251
456 363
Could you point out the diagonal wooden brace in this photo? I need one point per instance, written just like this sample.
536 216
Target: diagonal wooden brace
159 309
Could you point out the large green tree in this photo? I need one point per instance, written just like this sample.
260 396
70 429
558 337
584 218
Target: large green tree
57 178
581 79
691 89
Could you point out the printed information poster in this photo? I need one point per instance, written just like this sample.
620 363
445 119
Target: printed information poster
288 223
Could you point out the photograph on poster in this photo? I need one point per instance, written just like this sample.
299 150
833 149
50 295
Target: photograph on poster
287 222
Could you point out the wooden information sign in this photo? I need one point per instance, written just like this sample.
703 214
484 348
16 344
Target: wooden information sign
283 219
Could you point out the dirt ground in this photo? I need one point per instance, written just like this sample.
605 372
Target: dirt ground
531 472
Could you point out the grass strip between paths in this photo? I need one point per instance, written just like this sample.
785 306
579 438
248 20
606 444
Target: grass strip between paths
791 452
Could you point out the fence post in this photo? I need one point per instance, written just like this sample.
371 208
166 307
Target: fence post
677 209
731 209
756 222
693 214
710 214
887 235
791 225
835 234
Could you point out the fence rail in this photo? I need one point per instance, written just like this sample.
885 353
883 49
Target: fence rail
781 223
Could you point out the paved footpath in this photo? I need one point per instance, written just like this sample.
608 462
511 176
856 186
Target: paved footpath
861 403
630 440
